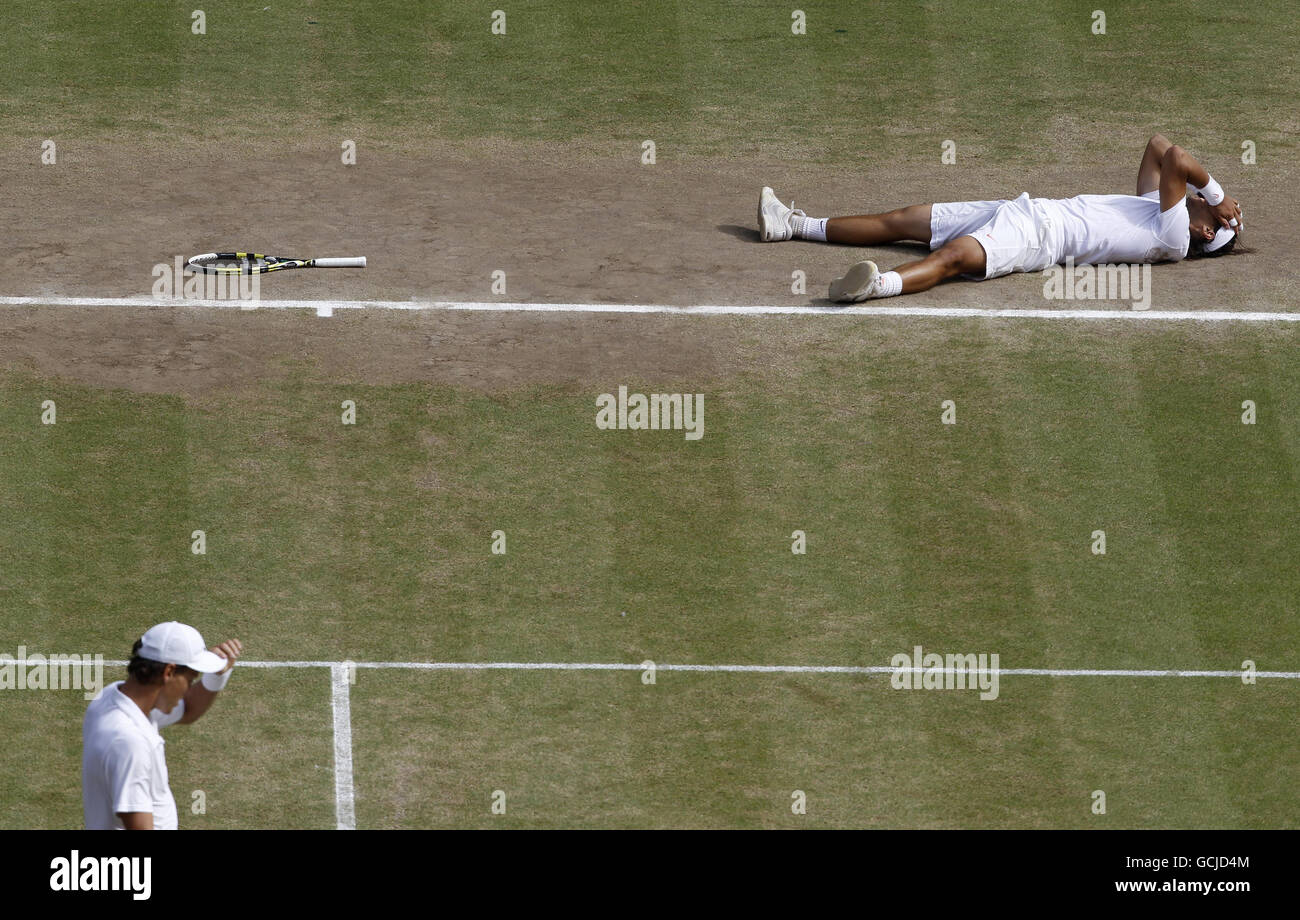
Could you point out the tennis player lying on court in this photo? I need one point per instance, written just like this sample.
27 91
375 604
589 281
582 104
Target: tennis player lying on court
1179 212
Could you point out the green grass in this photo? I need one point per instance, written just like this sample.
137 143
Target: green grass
373 543
729 750
869 84
263 759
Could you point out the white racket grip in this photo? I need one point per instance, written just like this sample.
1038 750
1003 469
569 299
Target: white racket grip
351 262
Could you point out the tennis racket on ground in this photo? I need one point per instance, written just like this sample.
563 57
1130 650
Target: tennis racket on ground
254 263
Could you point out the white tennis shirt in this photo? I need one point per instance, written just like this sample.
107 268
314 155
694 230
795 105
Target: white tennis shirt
123 767
1111 229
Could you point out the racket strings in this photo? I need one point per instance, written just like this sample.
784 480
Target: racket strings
241 263
249 263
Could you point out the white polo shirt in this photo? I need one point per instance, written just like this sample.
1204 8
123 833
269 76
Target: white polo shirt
123 767
1096 229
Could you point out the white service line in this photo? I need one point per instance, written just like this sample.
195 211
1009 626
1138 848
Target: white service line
327 308
734 668
341 673
344 802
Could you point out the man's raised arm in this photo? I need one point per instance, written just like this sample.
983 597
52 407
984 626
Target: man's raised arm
198 699
1180 172
1149 171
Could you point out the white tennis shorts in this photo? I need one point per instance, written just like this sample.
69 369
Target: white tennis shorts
1014 233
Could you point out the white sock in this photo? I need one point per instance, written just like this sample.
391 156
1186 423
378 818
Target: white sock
809 228
890 284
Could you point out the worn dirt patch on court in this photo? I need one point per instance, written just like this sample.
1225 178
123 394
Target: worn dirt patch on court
434 227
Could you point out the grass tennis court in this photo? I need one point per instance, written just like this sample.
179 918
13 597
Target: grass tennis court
522 152
1014 82
372 543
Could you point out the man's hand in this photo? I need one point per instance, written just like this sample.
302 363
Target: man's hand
1228 212
229 650
198 699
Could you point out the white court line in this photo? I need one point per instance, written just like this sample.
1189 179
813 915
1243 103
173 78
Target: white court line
733 668
327 308
344 794
344 803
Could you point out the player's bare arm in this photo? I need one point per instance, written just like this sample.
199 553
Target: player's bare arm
1149 170
136 820
200 696
1195 177
1179 170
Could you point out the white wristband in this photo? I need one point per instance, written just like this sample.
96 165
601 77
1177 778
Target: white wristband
1212 191
217 682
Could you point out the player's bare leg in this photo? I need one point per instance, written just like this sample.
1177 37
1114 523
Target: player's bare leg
778 222
909 223
962 256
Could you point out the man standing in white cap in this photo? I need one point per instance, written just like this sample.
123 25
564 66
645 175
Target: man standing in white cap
123 769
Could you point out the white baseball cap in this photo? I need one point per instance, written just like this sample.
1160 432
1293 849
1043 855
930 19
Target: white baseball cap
176 643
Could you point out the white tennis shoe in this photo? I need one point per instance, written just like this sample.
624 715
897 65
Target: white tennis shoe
861 282
774 219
